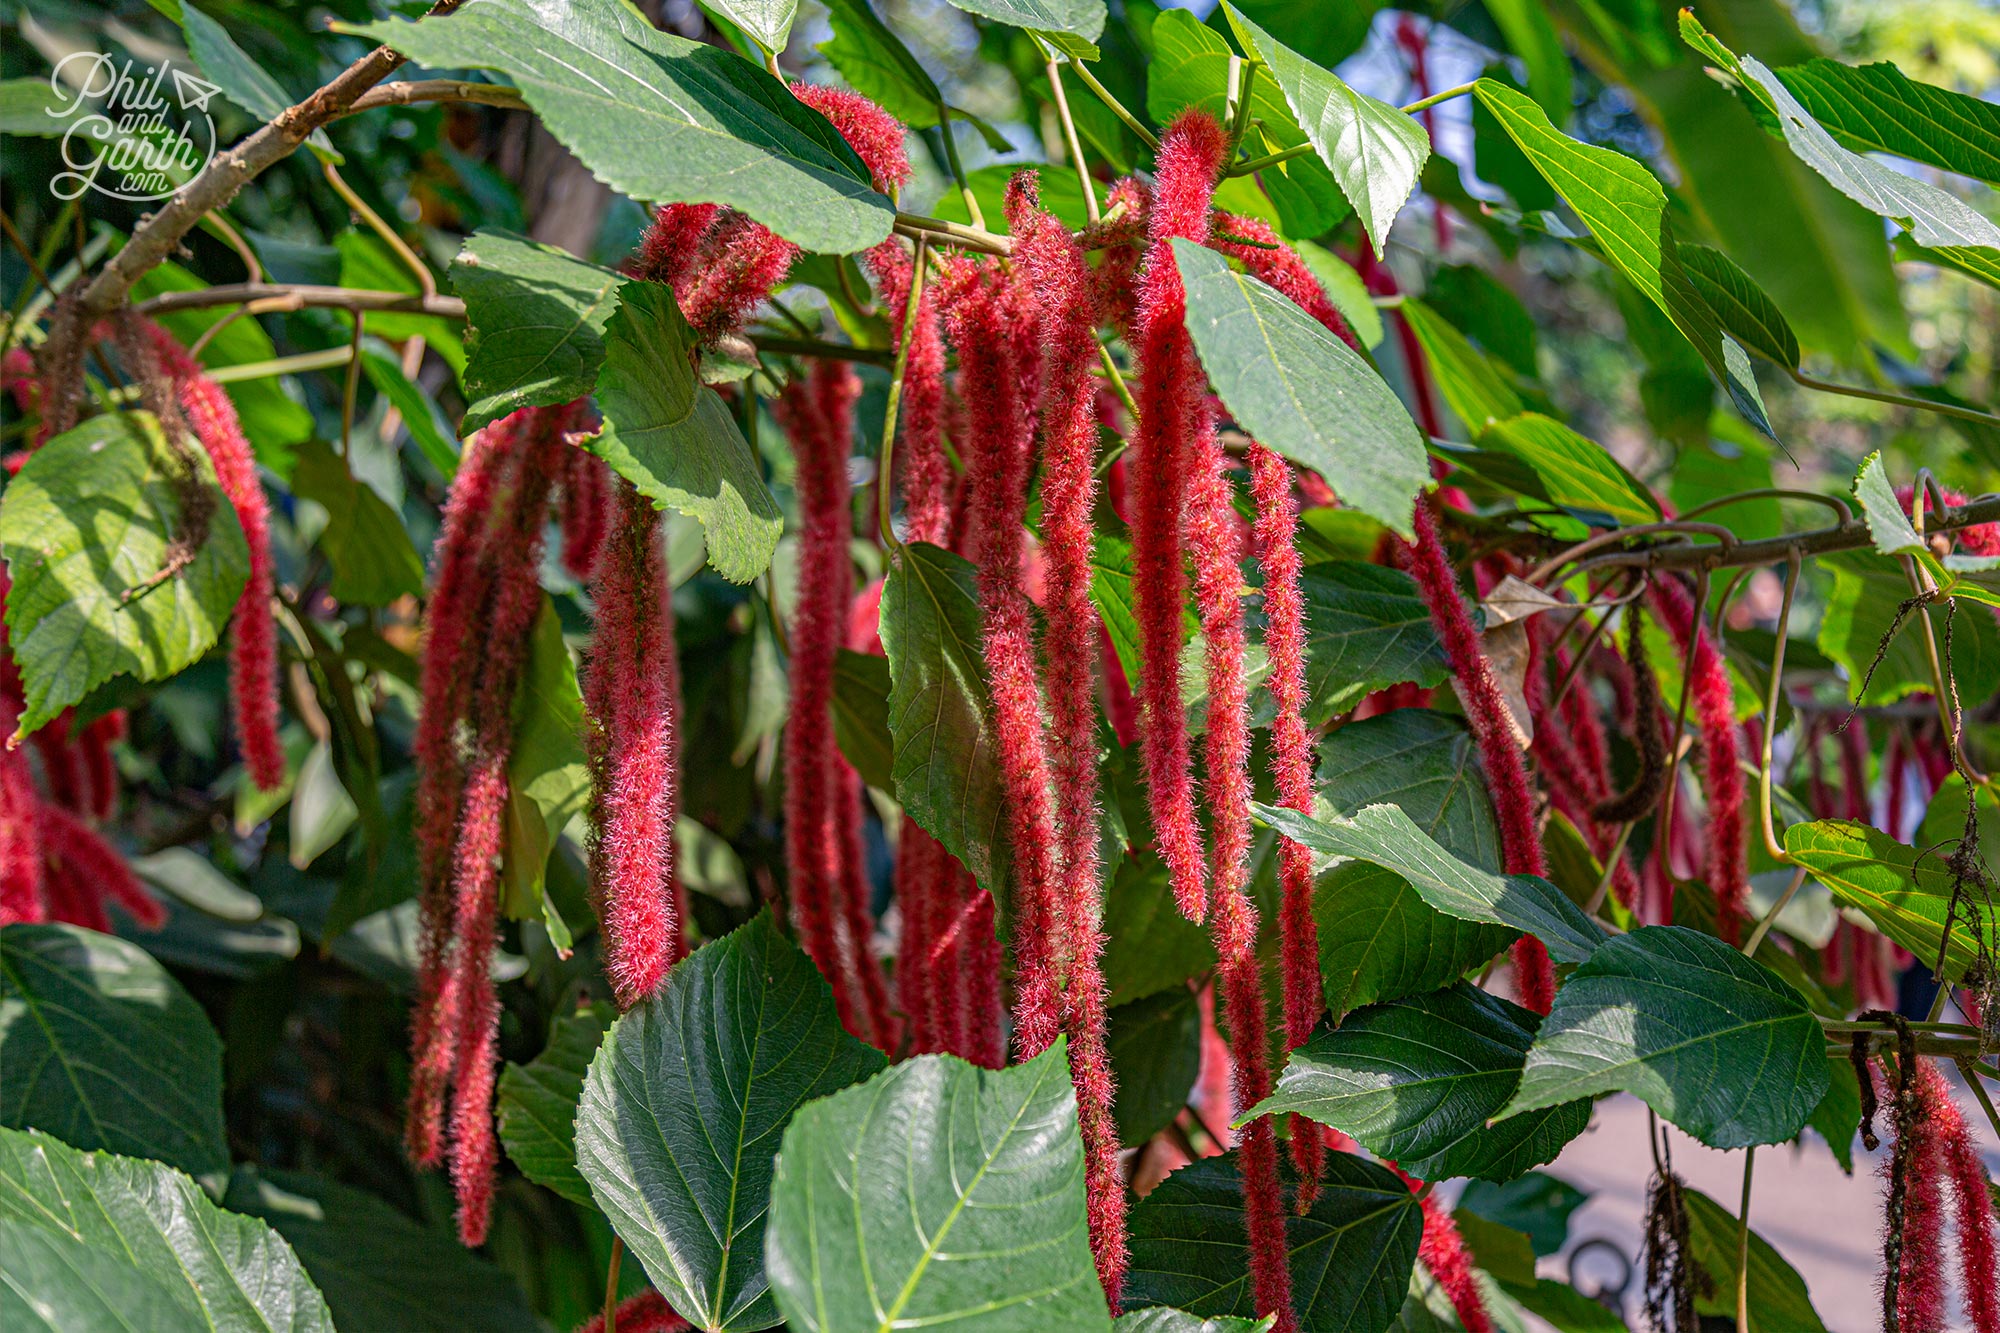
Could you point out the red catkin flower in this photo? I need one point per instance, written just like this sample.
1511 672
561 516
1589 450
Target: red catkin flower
875 136
253 670
857 921
818 414
921 408
990 322
1443 1252
1943 1162
1726 860
585 512
1486 710
634 752
82 872
1976 539
1267 258
648 1312
1292 769
1173 439
1055 269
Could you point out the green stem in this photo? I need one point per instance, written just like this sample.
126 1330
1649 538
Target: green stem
885 471
1770 918
1257 164
1743 1248
958 167
1771 843
1435 98
1894 399
1132 122
1070 137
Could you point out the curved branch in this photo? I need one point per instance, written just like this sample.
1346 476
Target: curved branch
1771 550
279 296
410 92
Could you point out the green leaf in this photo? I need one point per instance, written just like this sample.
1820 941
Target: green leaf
1533 37
1904 890
1155 1049
548 780
669 435
419 411
1625 208
1475 386
1889 528
661 118
1149 946
1375 151
365 541
1931 215
946 771
30 108
1351 1254
1563 468
367 263
1366 628
1385 836
1084 18
1778 1301
1418 1080
1714 1042
242 80
878 65
1482 307
57 1283
684 1102
936 1194
1860 617
1302 391
88 520
1425 764
216 1270
1537 1205
1838 1115
1347 290
99 1046
1378 940
1160 1319
535 319
1878 109
766 22
861 716
377 1268
1746 313
537 1103
1975 262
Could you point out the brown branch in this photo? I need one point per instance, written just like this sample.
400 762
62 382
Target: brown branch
410 92
160 234
1847 536
281 296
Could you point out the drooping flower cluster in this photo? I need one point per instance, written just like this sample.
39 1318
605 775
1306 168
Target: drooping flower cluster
1936 1175
1726 863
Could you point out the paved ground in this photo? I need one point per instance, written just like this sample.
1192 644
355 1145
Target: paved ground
1827 1224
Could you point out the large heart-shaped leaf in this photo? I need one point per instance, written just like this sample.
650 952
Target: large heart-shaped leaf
1714 1042
537 1103
1379 940
1302 391
85 528
1423 763
937 1195
1160 1319
659 117
683 1107
100 1047
378 1268
1375 151
1905 890
1351 1254
535 318
1367 628
154 1228
668 434
1385 836
946 767
1418 1079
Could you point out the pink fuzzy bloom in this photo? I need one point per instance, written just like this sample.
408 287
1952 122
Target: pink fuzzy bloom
1443 1252
990 322
1271 261
1506 773
1977 539
1292 770
1920 1272
648 1312
744 261
85 872
1714 708
1120 240
253 668
585 512
857 922
22 890
672 248
875 136
95 742
919 870
634 753
1978 1246
921 408
1175 435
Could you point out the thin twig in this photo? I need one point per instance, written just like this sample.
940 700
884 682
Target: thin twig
1070 138
1132 122
410 92
287 296
1895 399
884 479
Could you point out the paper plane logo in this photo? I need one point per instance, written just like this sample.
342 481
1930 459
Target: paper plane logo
125 137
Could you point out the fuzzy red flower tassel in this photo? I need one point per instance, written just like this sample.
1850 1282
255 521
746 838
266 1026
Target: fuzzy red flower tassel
1486 710
253 659
1727 864
1173 439
648 1312
634 753
1443 1252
